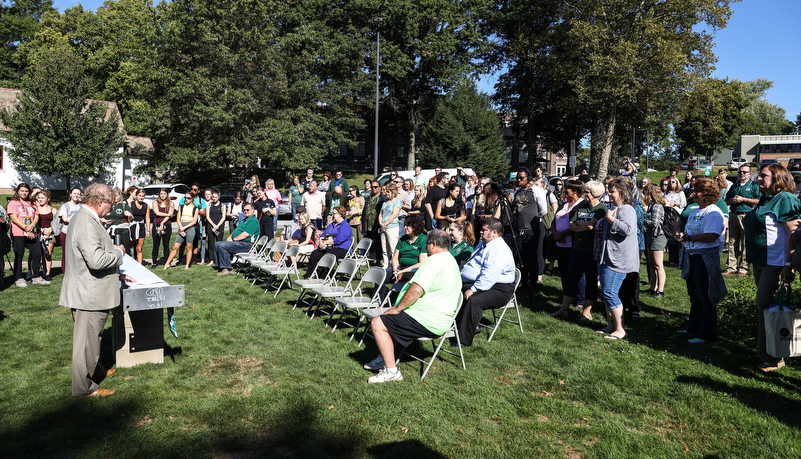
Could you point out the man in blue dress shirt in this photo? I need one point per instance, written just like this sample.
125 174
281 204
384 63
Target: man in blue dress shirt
488 277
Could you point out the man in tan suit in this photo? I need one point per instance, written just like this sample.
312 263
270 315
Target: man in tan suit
90 287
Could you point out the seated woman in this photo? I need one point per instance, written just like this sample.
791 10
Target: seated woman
463 241
304 236
336 238
410 251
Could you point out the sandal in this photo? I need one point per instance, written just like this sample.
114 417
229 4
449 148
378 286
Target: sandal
585 320
767 367
616 337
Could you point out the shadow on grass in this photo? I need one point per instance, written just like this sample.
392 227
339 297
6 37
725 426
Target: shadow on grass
658 329
785 410
83 427
403 449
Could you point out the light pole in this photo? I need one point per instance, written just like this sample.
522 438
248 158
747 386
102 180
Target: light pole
377 62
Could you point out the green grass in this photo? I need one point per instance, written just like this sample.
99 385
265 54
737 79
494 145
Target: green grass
250 377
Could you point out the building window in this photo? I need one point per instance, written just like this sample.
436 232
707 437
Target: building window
560 170
358 151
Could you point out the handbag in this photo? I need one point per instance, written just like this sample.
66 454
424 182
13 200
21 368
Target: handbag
783 325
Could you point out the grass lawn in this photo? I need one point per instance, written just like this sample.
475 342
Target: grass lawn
250 377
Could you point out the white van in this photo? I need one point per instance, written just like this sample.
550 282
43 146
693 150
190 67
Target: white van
425 173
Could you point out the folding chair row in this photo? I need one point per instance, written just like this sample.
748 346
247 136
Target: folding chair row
358 301
326 265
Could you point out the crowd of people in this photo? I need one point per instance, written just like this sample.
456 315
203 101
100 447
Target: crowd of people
596 233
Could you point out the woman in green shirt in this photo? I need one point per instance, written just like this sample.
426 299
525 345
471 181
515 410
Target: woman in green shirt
410 251
296 195
463 241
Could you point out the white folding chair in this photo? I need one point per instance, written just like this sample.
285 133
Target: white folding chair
246 259
510 305
269 261
357 301
360 252
341 284
372 313
326 264
283 270
453 332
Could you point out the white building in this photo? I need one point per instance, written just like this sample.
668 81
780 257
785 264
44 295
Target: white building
122 175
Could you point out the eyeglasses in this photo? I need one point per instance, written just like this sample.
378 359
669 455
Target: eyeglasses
247 210
744 172
195 189
399 182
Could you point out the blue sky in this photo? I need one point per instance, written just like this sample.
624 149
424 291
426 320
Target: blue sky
761 41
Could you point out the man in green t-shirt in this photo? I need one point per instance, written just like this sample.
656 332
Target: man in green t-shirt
239 241
741 198
425 307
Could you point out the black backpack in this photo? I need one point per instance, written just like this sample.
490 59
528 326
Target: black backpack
669 222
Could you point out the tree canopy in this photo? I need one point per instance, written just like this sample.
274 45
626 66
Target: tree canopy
465 132
54 129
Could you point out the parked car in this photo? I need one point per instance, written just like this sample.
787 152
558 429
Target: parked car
794 164
797 180
767 162
735 163
176 192
702 165
684 166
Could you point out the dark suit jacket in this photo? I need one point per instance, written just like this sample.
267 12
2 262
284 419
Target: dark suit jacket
91 279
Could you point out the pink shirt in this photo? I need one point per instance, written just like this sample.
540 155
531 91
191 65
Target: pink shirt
23 210
274 195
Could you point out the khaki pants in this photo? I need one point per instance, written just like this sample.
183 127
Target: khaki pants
736 244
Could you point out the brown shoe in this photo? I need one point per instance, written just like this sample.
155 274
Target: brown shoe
223 272
743 274
729 272
111 372
100 393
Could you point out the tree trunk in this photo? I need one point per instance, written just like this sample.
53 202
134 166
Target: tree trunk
609 137
595 156
411 151
68 179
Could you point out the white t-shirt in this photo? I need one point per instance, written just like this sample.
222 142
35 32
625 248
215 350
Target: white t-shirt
702 221
314 204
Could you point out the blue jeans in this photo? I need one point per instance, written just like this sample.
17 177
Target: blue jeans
225 249
295 211
610 286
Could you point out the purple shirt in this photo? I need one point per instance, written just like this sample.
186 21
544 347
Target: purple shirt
342 233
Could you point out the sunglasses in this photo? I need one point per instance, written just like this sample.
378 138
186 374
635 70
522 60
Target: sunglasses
374 187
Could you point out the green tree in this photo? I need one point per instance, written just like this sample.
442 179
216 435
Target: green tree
595 63
712 117
55 130
426 48
465 131
243 79
760 117
19 20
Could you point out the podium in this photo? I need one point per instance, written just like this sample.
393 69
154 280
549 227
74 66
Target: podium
138 324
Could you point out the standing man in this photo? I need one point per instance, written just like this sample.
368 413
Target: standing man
435 195
91 288
488 277
418 178
313 201
340 191
741 198
372 209
245 234
529 206
461 177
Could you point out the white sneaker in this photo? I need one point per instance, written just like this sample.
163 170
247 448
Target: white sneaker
375 364
384 376
21 283
40 281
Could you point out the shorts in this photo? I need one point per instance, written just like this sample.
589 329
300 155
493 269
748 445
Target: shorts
189 238
404 329
656 244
